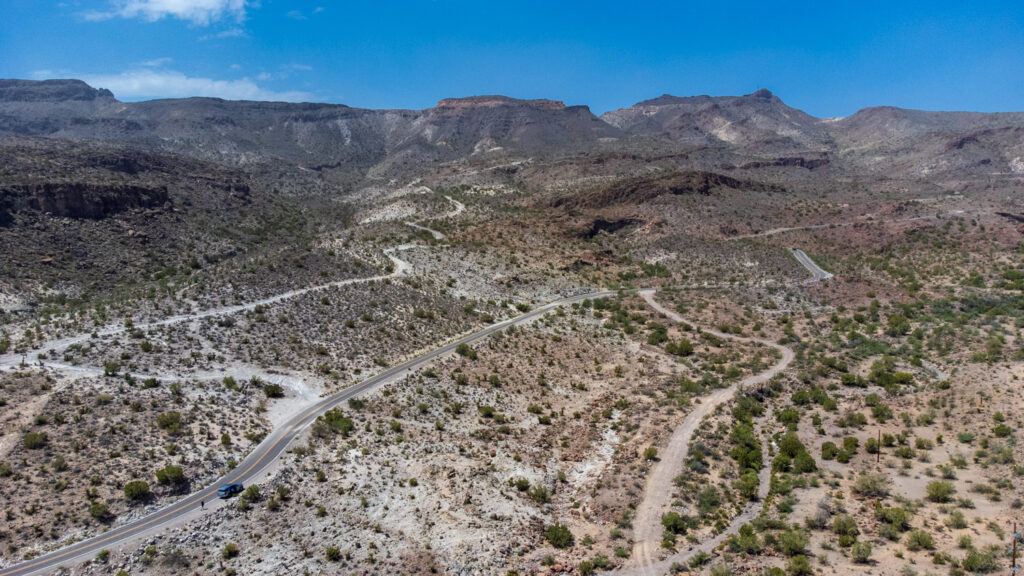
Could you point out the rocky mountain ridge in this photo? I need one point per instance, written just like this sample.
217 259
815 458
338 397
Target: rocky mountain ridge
758 129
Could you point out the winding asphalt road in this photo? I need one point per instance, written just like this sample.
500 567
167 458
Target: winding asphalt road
264 456
817 274
251 469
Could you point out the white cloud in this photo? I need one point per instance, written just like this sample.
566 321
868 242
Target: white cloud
156 62
199 12
139 84
296 15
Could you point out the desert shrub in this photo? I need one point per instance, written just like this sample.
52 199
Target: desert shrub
747 485
230 550
792 543
861 552
746 541
674 522
252 493
919 539
332 422
683 348
169 422
957 520
558 536
136 490
540 494
708 501
35 440
170 475
799 565
980 562
650 453
829 451
789 416
871 446
333 554
273 391
804 463
939 491
99 510
846 528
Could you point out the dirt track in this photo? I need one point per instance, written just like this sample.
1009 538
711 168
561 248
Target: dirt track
658 491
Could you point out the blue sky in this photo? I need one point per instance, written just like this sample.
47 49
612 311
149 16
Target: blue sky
828 58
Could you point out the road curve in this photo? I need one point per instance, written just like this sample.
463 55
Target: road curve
658 490
251 469
817 274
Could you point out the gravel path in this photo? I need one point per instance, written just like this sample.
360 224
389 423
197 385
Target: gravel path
658 491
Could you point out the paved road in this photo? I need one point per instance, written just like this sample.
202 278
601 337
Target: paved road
817 274
251 469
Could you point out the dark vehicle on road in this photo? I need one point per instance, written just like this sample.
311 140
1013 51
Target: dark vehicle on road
229 490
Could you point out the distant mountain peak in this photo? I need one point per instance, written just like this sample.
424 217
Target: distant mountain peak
51 91
762 94
497 101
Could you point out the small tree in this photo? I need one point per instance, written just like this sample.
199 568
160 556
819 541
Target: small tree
650 453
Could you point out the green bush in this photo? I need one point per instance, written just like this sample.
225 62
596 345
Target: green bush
846 528
674 522
332 422
980 562
861 552
35 440
747 485
170 475
829 451
799 565
273 391
230 550
466 350
939 491
169 422
558 536
99 510
804 463
136 490
333 554
792 543
918 540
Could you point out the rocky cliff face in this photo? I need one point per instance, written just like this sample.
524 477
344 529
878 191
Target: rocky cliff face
83 200
50 91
